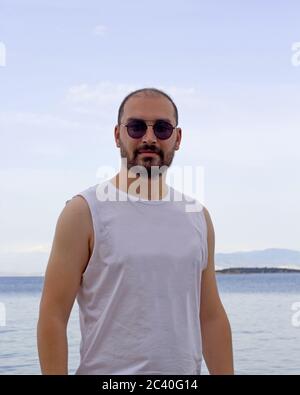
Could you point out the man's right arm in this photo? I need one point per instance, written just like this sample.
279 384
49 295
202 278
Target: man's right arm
68 259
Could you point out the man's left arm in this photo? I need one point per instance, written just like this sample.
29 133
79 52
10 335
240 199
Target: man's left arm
215 326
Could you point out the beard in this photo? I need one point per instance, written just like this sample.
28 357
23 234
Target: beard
154 165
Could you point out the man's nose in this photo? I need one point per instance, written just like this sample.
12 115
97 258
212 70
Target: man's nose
149 137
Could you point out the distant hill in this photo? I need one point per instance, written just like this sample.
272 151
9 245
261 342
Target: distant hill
271 257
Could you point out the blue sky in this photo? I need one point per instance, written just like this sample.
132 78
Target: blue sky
227 64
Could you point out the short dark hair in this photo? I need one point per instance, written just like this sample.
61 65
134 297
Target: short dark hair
146 92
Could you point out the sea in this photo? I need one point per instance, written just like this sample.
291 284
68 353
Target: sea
263 310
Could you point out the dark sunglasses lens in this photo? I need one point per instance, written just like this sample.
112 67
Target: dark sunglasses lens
136 129
163 130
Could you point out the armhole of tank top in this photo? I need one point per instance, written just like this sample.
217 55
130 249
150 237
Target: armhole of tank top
92 214
205 243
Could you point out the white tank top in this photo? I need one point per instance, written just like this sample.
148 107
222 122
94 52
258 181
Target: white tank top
139 300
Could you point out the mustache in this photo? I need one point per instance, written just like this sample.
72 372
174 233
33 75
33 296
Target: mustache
150 149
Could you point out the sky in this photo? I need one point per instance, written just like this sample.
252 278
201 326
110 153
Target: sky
231 68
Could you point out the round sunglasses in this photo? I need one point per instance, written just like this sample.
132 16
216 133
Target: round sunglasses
136 128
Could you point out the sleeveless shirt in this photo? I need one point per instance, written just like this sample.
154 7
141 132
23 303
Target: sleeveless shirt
139 298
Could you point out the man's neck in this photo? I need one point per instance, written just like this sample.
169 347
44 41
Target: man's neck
145 188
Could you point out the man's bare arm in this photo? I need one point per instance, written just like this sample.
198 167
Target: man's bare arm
215 326
68 259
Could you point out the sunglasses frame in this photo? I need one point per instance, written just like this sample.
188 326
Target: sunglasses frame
147 124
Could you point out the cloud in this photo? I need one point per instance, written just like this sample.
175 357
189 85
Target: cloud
98 102
25 248
35 119
106 96
105 92
2 54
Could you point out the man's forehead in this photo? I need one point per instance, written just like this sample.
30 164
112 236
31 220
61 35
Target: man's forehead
149 107
137 117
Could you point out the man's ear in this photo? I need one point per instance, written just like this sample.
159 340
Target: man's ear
178 138
117 135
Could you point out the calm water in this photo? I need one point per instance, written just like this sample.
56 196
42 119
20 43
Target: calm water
266 335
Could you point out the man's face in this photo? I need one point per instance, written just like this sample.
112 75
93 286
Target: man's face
150 109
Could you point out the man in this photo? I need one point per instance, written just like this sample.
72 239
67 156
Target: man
141 267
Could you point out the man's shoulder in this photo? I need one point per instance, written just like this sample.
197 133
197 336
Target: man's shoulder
77 215
76 210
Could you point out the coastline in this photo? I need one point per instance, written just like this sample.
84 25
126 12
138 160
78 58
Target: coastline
251 270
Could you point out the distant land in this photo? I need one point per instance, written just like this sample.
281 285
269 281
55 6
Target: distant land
251 270
269 258
272 260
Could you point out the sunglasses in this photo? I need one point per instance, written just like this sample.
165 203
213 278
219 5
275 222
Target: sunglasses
136 128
